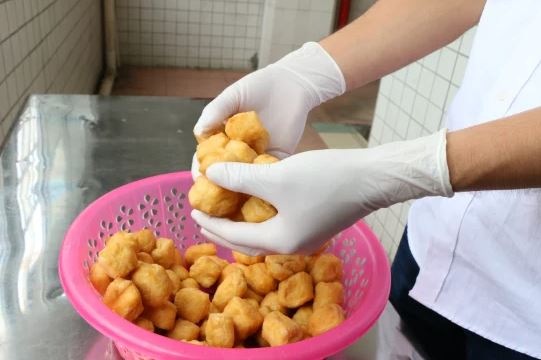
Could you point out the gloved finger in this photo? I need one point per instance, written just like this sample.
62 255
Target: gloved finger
243 234
195 168
243 178
278 154
217 111
222 242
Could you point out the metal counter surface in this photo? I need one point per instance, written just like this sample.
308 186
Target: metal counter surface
63 153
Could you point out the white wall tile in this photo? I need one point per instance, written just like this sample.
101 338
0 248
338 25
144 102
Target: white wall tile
447 63
439 91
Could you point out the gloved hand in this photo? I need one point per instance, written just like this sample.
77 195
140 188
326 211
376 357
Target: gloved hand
319 193
282 94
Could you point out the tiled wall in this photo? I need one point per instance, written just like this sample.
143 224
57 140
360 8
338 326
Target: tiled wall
47 46
412 102
289 24
189 33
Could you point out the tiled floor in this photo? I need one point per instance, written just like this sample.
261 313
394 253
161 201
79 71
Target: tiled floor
338 123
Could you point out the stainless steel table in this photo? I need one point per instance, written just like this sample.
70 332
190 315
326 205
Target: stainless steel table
64 152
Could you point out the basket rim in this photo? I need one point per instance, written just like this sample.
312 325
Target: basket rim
89 306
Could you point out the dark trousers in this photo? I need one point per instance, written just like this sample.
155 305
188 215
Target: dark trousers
438 338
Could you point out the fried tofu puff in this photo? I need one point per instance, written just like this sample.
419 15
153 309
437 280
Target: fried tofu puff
162 316
220 331
164 253
144 323
211 199
124 299
220 155
256 210
146 240
233 285
259 279
241 151
153 283
247 127
325 318
326 268
246 317
119 257
296 290
206 270
99 278
246 259
211 144
302 317
196 251
192 304
184 330
328 293
270 303
283 266
278 329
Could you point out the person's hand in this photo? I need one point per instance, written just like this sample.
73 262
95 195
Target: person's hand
282 94
319 193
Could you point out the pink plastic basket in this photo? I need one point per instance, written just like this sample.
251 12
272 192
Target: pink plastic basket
160 203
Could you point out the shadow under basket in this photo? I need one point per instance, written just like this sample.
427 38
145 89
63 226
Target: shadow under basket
161 203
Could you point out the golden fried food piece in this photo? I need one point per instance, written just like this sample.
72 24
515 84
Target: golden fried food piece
153 283
210 145
241 151
206 271
248 128
245 316
118 259
302 317
192 304
189 283
175 281
237 217
256 210
259 279
196 251
250 294
221 262
99 278
124 299
327 268
296 290
328 293
146 240
234 285
164 254
145 257
325 318
212 199
162 316
283 266
220 331
144 323
125 239
207 134
278 329
270 303
246 259
265 159
181 271
228 270
220 155
184 330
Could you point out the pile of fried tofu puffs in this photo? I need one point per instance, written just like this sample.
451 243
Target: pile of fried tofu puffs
200 298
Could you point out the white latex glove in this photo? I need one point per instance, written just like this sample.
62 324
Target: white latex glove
319 193
282 94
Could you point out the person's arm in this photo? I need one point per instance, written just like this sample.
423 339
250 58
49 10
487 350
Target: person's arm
502 154
394 33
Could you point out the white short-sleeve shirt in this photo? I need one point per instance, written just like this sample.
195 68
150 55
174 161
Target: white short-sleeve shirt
479 253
